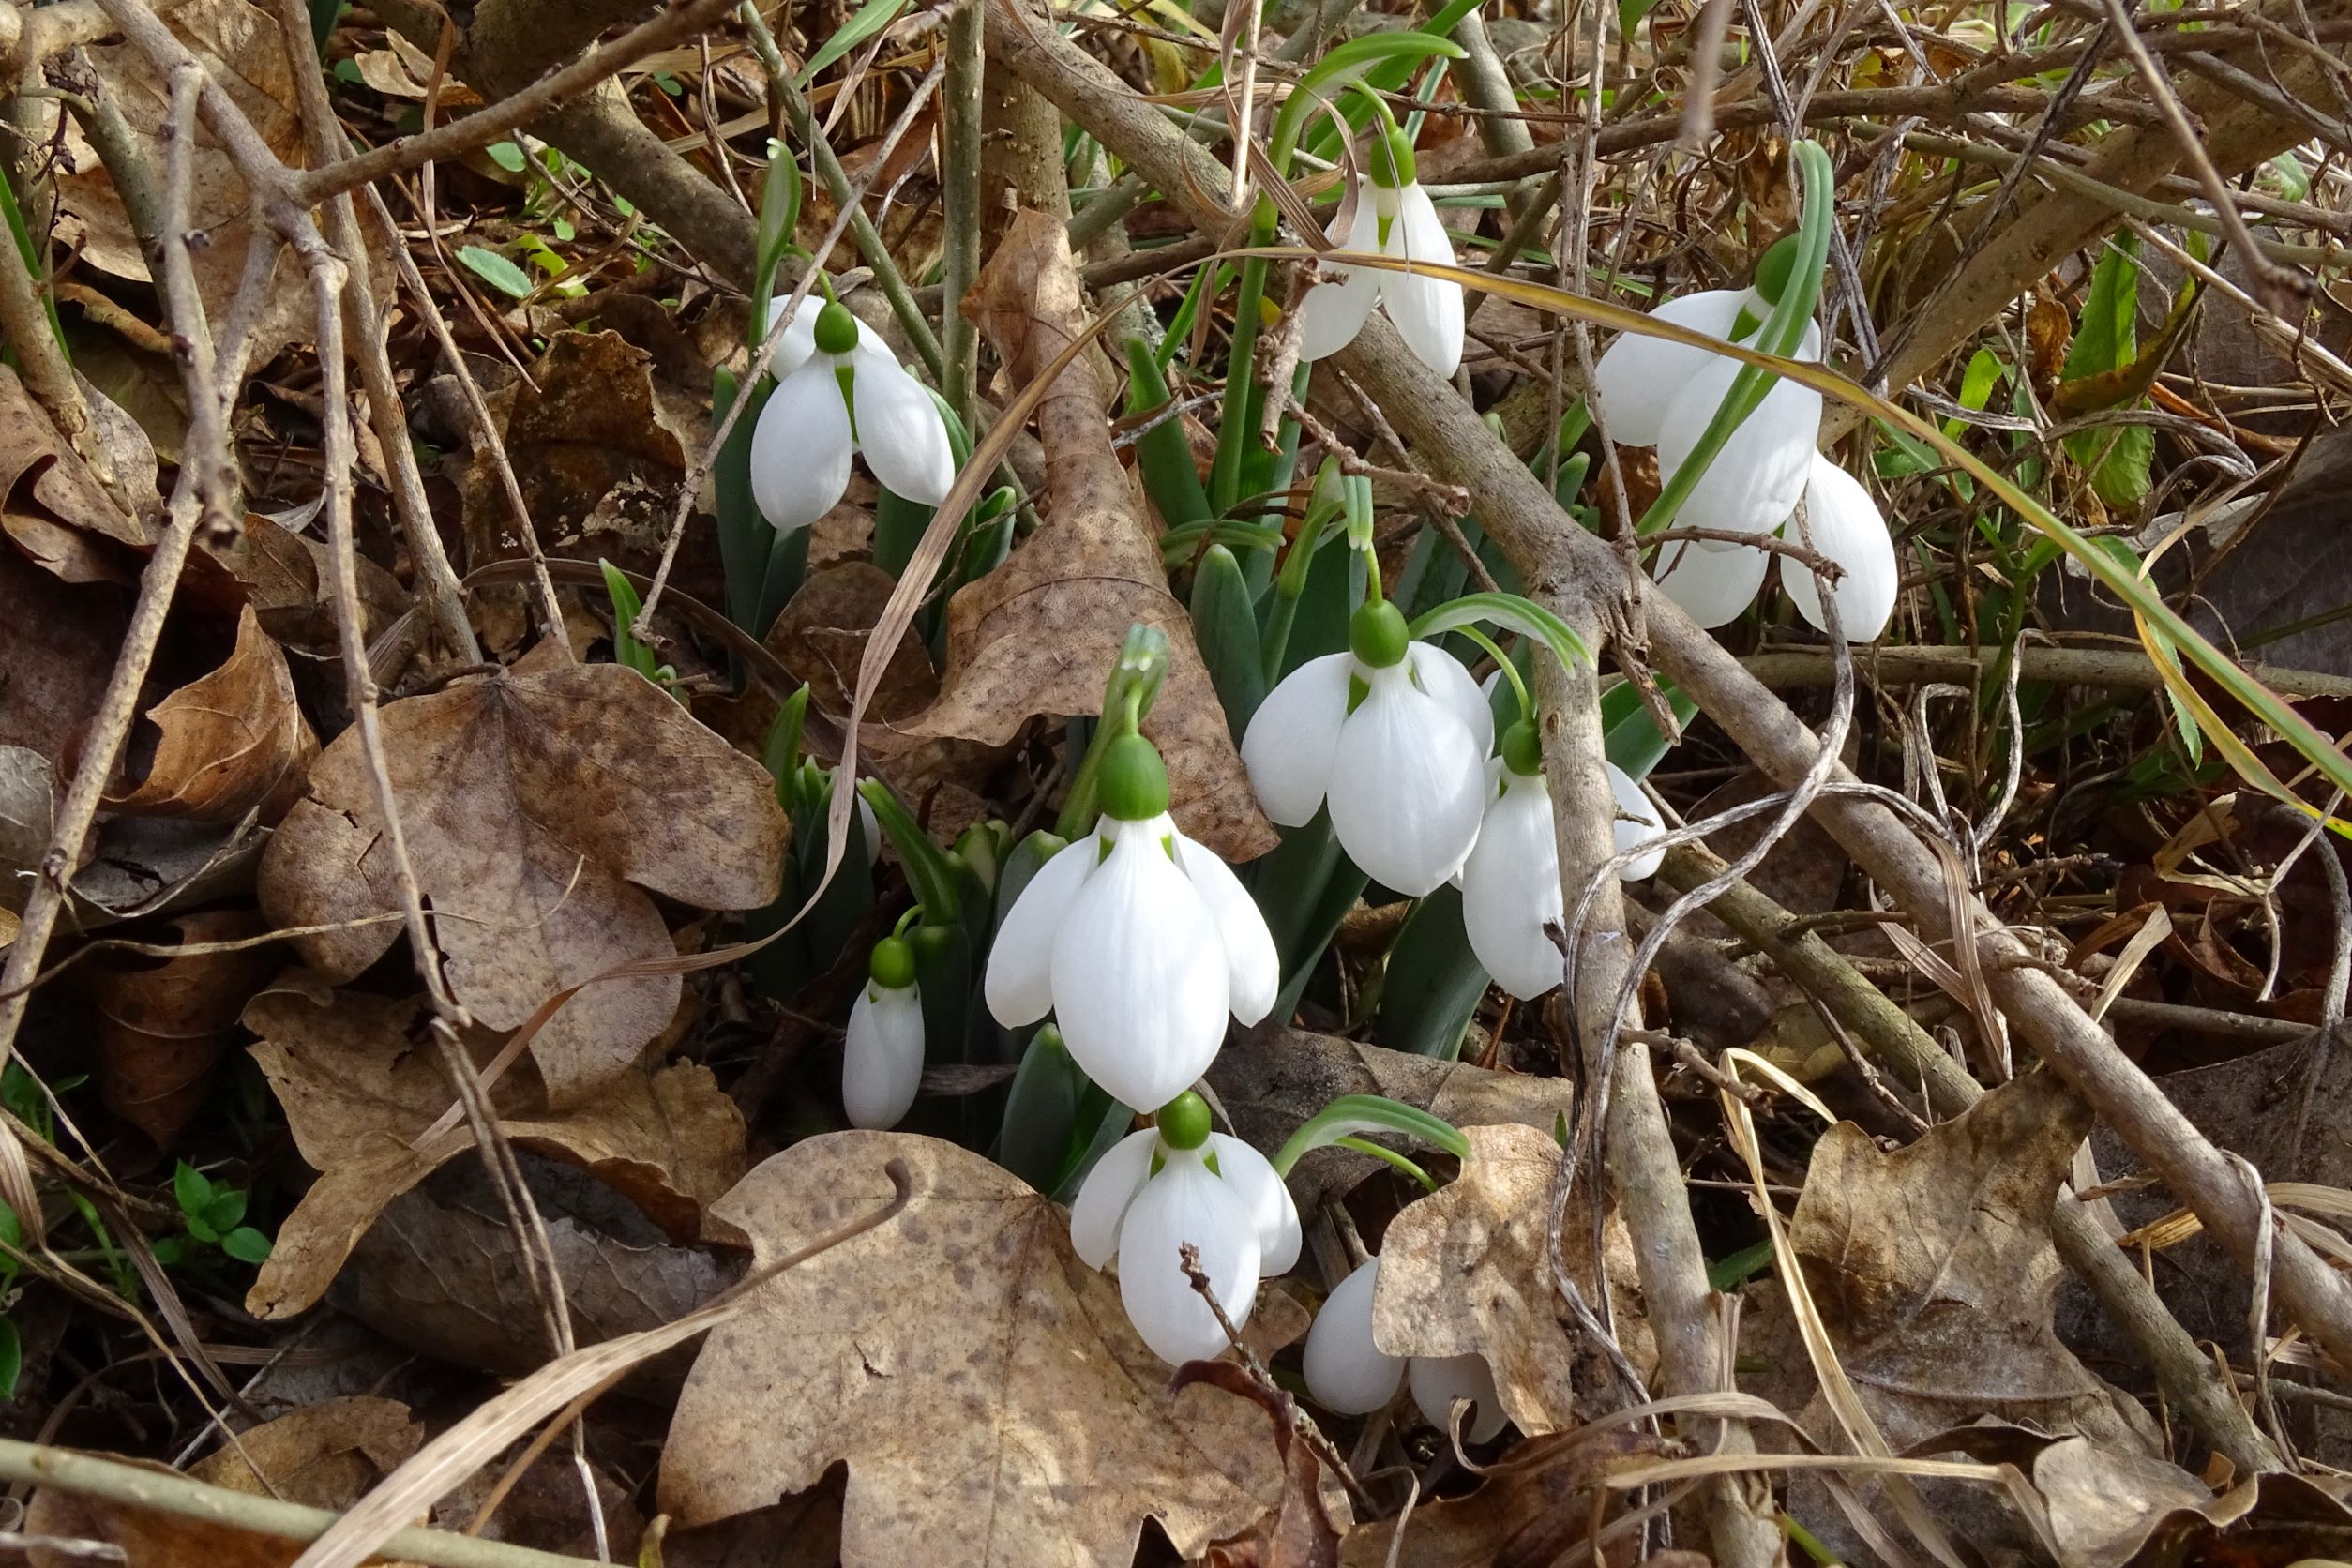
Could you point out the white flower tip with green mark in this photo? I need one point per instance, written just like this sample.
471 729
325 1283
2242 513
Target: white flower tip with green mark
881 1058
802 445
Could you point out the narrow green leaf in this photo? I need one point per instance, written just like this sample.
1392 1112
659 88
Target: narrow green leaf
497 271
11 1358
928 871
1352 1114
1513 611
1162 453
1726 1273
1434 981
871 18
1225 625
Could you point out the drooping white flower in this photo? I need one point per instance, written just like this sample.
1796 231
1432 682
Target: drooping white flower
1402 767
1713 582
1349 1375
1646 827
838 391
1163 1186
1848 527
1636 378
1391 215
881 1058
1138 940
1510 882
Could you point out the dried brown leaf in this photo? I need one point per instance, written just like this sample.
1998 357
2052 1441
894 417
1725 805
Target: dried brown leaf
540 810
1039 634
62 640
1305 1530
1465 1270
38 472
982 1385
234 741
1534 1507
822 633
161 1026
359 1083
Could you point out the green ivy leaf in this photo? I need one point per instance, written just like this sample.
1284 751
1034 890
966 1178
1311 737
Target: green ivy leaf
247 1245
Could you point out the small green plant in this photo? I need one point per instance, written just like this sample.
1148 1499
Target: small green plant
214 1216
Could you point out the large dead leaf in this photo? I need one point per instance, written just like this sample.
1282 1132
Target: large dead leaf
234 741
1466 1269
540 807
360 1083
1534 1506
822 635
1934 1270
160 1026
983 1386
1039 634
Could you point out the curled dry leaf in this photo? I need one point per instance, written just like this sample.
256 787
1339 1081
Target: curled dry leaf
1465 1269
1934 1271
1304 1532
360 1083
45 485
1039 634
540 808
234 741
160 1026
982 1384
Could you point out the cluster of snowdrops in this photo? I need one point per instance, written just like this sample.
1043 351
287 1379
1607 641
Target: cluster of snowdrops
1141 944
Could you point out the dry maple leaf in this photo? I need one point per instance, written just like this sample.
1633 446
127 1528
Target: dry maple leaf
540 807
1465 1269
1039 634
359 1085
982 1384
233 740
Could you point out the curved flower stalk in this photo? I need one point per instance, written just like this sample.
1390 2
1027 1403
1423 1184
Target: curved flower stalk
1392 735
840 391
1391 215
1136 939
1349 1375
1177 1183
881 1058
1510 882
1848 527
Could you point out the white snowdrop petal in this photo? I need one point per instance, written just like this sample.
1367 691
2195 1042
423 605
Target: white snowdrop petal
869 829
1020 983
1345 1373
1757 478
1101 1203
901 431
1267 1197
1848 527
1637 377
1288 747
1184 1202
1511 887
1428 311
1438 1381
800 449
1410 786
1332 312
882 1057
799 343
1253 967
1444 677
1140 985
1712 585
1631 802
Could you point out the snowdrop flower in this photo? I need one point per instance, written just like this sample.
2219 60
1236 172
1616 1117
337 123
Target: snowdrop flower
1349 1375
1848 527
1428 311
882 1063
1401 761
1713 582
838 391
1163 1186
1510 882
1138 940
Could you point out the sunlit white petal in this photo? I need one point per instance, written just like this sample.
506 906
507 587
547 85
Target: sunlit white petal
1758 476
800 336
1848 527
800 449
1438 1381
1511 888
1185 1203
1444 677
1411 781
1427 311
1332 313
1019 982
1711 584
1637 377
1272 1211
1253 967
1140 985
1102 1197
901 434
1631 802
881 1056
1348 1374
1288 745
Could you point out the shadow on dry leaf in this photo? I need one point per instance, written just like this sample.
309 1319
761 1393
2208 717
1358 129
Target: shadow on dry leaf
982 1385
160 1026
234 741
541 807
1534 1507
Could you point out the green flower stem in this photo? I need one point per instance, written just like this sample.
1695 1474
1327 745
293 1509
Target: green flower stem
1243 399
1351 1114
1135 681
1503 662
1362 1146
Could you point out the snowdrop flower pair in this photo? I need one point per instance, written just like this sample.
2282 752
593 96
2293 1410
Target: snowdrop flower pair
839 390
1349 1375
1403 223
1175 1183
1510 882
1714 583
1394 735
1138 940
882 1060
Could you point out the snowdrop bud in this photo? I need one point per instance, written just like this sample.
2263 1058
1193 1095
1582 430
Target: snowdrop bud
882 1060
1510 882
1133 781
1392 158
1711 583
1184 1122
1345 1373
1376 634
1646 826
1848 527
1438 1381
837 329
